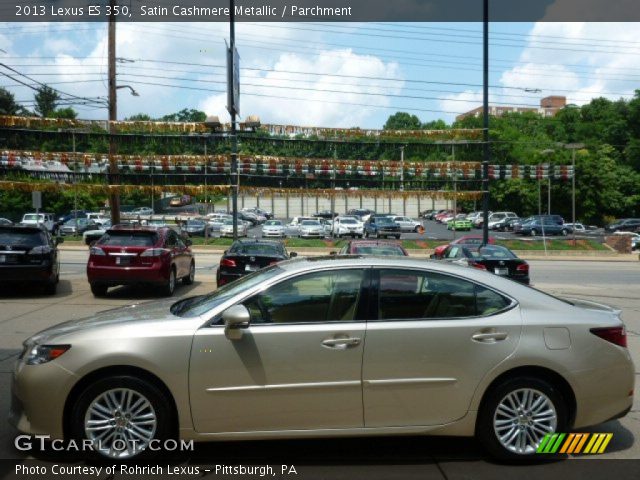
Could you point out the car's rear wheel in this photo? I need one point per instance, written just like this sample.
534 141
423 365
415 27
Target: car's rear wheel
517 414
51 287
564 232
170 285
188 280
121 416
99 290
534 232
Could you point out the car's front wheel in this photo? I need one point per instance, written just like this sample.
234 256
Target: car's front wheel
121 416
517 414
533 232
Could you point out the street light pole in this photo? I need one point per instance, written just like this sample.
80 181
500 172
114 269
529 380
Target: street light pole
114 198
485 124
573 147
455 188
234 135
402 168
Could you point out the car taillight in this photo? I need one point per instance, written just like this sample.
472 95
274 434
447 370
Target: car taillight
615 335
97 251
226 262
40 250
155 252
523 267
477 265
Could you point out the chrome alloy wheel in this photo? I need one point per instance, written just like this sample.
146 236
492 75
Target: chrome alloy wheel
522 419
120 423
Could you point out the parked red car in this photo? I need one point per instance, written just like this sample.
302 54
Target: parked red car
466 240
128 255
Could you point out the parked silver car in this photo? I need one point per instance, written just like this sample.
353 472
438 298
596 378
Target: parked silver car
226 229
281 353
273 228
311 229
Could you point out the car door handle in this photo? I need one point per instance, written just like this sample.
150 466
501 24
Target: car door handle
490 337
341 343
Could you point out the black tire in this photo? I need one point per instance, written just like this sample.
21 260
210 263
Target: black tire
564 232
397 237
416 230
188 280
366 234
170 286
377 234
485 432
164 414
534 232
99 290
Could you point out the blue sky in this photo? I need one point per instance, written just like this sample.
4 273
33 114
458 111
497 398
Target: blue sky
330 75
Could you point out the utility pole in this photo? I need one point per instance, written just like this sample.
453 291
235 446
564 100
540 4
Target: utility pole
114 198
455 188
485 124
402 168
234 135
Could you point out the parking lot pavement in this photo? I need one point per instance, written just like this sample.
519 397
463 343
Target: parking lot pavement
24 313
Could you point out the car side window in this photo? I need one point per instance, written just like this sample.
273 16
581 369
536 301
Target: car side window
488 301
172 239
312 298
453 252
411 295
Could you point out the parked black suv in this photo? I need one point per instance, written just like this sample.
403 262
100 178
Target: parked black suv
29 254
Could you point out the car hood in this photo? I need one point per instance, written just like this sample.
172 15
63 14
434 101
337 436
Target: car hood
137 313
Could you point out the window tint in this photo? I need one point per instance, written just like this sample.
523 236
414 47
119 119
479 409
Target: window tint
406 294
315 297
488 301
24 238
129 239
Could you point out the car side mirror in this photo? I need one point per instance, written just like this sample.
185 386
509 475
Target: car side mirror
236 319
293 254
59 240
225 252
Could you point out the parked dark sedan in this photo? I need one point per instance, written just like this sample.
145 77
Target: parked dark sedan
29 254
624 225
196 227
327 214
492 258
249 255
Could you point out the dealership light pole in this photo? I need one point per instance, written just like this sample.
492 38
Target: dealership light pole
573 147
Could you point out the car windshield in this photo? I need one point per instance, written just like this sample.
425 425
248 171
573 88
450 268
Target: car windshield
349 221
195 223
30 217
273 223
27 238
492 253
384 220
129 238
192 307
385 250
311 223
264 249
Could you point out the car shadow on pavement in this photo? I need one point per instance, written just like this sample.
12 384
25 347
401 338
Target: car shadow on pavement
26 291
143 292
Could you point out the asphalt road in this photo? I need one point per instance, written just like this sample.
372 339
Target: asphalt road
22 313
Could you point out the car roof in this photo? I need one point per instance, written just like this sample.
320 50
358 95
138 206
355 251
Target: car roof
23 227
258 241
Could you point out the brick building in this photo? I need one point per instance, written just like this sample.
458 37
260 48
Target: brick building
549 106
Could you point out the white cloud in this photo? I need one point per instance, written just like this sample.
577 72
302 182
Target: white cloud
327 98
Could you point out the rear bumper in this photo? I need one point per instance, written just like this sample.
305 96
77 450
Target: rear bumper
223 278
26 273
112 275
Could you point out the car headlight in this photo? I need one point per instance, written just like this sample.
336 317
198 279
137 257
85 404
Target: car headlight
39 354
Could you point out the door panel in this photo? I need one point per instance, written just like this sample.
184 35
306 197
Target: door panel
277 377
424 371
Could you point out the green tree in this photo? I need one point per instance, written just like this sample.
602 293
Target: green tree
403 121
8 105
186 115
139 117
46 100
435 125
68 112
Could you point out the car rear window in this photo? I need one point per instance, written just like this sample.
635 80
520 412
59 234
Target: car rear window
33 216
492 253
256 249
29 238
129 239
385 250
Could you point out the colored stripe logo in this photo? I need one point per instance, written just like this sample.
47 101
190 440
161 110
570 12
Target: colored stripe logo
574 443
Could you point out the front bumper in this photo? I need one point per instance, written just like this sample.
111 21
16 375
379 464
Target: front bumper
275 234
38 395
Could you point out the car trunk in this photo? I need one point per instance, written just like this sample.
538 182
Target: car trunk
504 267
246 263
